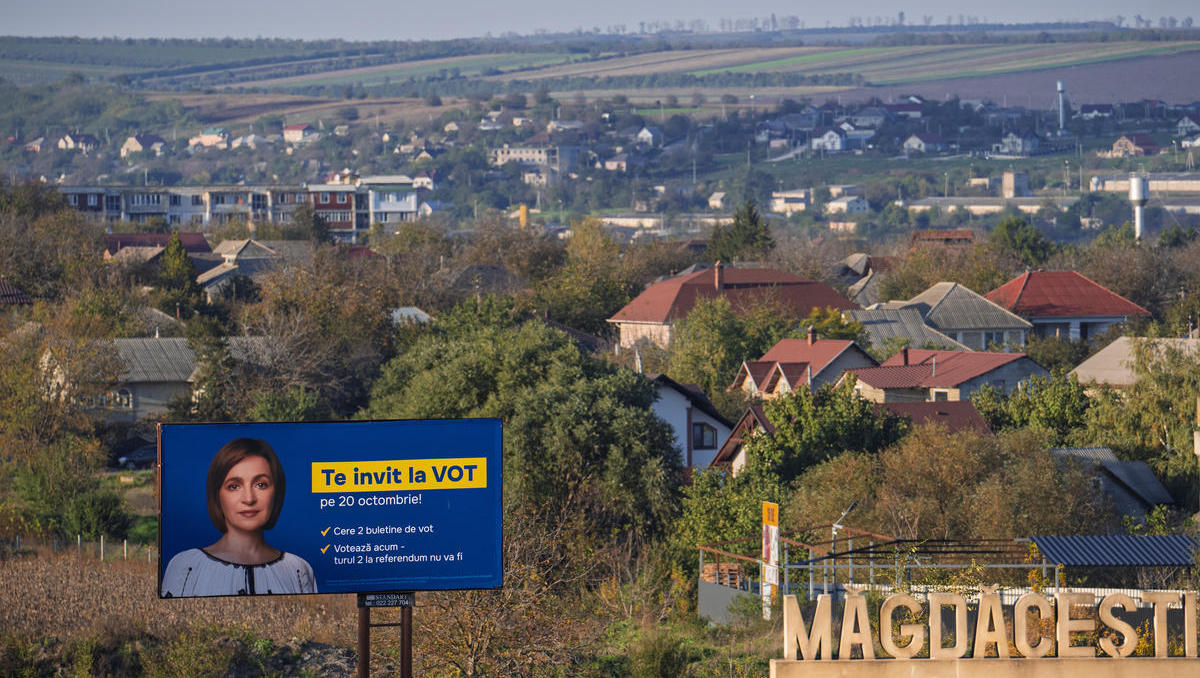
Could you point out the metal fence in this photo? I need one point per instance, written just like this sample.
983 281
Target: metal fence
103 549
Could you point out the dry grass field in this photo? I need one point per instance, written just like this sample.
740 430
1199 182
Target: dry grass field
68 597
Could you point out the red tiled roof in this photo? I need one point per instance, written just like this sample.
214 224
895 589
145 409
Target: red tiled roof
933 369
757 371
955 415
192 242
818 354
1060 294
796 374
673 299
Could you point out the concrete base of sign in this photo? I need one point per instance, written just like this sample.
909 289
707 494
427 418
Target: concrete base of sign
1047 667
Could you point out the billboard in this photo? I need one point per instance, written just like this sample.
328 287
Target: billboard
334 507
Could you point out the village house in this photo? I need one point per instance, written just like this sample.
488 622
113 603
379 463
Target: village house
143 143
298 133
213 137
924 142
75 141
828 140
700 430
1113 365
847 204
968 318
1134 145
788 203
892 326
651 315
792 364
1064 304
923 375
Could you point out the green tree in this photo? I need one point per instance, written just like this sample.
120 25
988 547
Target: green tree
1153 418
1022 240
579 434
177 278
1056 405
748 237
591 287
811 427
708 346
829 323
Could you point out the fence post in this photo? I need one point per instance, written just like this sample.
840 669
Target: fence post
811 574
125 545
787 589
102 547
850 556
79 543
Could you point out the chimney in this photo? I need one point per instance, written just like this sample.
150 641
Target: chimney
904 356
812 335
933 372
718 276
810 376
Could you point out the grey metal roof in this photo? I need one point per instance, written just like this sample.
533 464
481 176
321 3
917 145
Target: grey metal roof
168 359
1091 455
949 306
1113 364
865 292
1140 479
1119 550
155 360
889 323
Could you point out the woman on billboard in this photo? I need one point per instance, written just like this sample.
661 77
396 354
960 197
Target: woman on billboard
245 491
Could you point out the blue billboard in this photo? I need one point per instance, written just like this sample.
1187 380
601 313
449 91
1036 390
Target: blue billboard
335 507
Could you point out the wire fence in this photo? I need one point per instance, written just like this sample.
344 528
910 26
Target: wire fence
105 549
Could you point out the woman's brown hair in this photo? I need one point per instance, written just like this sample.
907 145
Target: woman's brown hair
231 455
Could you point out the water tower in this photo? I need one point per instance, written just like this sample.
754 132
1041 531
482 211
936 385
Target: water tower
1062 108
1139 191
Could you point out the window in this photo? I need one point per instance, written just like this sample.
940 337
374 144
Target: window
174 200
704 437
93 199
990 338
197 200
218 199
324 197
124 399
73 200
341 198
941 396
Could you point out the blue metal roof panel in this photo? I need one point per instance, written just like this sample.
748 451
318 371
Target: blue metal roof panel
1119 550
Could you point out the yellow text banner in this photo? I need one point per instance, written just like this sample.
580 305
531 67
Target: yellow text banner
404 475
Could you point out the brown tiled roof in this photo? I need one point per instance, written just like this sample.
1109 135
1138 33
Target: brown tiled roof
956 416
672 299
1060 294
927 368
818 354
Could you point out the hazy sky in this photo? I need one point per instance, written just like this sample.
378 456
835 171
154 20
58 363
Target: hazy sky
411 20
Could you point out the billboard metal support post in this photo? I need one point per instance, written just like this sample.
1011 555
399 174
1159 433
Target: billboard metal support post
403 600
364 642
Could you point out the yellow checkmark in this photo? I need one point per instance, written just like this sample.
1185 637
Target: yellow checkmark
326 530
326 548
